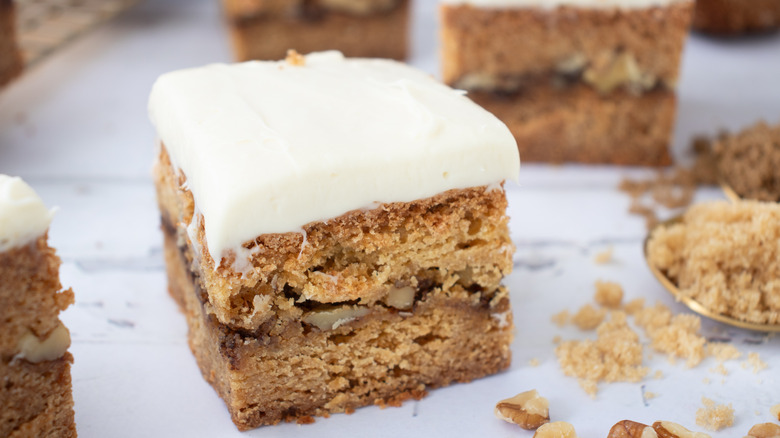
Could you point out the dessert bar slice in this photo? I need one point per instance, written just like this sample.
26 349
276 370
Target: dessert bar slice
35 397
10 56
586 81
263 29
736 17
335 232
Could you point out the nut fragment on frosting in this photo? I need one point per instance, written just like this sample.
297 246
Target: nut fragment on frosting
528 410
23 216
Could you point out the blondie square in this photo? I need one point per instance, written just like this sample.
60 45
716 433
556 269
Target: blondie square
584 81
35 397
262 29
10 56
335 232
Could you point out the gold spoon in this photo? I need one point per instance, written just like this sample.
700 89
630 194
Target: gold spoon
690 302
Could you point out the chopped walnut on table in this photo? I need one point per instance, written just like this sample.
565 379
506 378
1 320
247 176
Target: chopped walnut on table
667 429
528 410
659 429
764 430
776 411
556 429
631 429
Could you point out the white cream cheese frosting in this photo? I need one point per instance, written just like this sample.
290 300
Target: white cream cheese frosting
23 216
268 147
548 4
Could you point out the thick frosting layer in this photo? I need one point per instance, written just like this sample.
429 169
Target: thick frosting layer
23 217
268 147
547 4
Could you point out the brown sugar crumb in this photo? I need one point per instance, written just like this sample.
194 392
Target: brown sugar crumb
681 339
755 361
722 351
726 257
534 362
714 417
649 395
294 58
588 317
616 355
609 294
651 219
653 318
775 411
748 161
604 257
658 374
561 318
720 369
676 335
706 381
556 340
672 188
634 306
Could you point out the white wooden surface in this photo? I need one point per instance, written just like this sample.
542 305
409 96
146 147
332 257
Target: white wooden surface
75 127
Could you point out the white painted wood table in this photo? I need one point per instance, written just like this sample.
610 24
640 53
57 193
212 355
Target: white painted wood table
75 127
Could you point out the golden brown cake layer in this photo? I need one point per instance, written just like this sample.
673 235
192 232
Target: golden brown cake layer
526 44
576 123
457 238
367 29
736 16
30 294
35 398
10 56
294 370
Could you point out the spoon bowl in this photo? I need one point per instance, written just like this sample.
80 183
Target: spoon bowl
692 304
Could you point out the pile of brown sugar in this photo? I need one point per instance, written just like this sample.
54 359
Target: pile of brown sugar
726 257
617 352
749 162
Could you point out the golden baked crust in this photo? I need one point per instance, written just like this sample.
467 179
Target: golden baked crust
36 399
296 371
535 43
268 32
730 17
578 124
10 56
460 236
